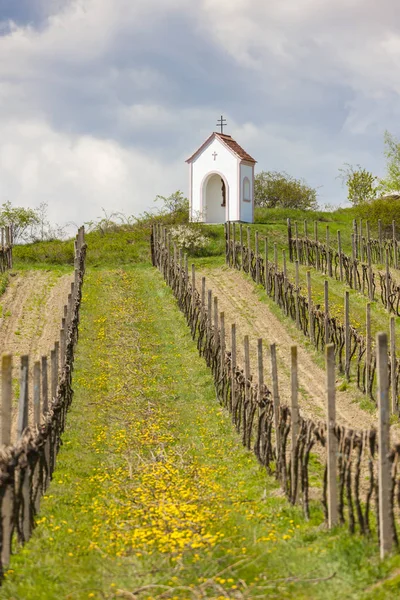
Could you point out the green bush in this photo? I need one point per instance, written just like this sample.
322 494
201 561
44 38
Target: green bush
386 209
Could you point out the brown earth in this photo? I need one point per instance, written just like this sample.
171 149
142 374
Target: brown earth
31 310
237 298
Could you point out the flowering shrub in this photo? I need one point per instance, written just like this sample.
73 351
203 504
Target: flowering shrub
190 239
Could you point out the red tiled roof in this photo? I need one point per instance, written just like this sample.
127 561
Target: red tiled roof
228 141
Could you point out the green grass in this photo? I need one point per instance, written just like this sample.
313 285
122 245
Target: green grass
146 443
153 490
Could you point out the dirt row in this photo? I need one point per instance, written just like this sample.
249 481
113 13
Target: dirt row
31 310
237 298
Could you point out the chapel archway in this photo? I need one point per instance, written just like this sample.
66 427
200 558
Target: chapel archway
215 199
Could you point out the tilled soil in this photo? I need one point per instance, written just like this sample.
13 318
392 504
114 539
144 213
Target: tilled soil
31 311
237 298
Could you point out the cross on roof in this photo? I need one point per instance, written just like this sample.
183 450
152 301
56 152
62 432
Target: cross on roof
221 123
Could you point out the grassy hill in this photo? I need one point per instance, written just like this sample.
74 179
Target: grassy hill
154 495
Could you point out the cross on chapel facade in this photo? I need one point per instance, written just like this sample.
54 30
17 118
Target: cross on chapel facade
221 181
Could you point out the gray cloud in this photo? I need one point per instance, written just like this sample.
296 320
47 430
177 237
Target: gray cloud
101 102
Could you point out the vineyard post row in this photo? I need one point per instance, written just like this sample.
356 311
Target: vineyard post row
353 269
264 423
27 464
315 323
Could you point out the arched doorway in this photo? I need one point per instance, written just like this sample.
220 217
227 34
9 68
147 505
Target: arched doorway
215 198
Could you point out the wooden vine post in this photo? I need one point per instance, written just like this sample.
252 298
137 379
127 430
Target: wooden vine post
222 343
306 240
393 378
326 310
347 334
394 244
294 408
328 254
257 261
275 397
266 267
316 245
380 241
289 231
368 348
5 429
339 239
384 464
297 295
233 367
310 308
247 392
387 280
331 441
296 233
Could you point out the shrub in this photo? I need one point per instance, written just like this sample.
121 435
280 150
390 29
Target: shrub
190 239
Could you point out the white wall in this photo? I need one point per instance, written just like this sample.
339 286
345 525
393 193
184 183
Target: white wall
246 208
225 163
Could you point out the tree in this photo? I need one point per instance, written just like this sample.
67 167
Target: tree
391 183
278 189
361 184
20 219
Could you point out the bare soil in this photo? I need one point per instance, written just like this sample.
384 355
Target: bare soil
237 298
31 310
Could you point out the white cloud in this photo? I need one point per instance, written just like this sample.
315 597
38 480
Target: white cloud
78 175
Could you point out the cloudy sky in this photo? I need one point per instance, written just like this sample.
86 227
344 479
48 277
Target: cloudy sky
101 101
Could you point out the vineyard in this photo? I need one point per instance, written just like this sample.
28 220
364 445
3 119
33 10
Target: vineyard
214 426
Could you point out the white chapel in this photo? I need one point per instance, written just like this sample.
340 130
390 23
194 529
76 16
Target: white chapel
221 181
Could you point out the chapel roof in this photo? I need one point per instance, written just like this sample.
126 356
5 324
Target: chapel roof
227 140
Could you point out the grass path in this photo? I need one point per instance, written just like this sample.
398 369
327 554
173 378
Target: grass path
153 496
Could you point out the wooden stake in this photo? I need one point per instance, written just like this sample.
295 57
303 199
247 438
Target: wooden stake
6 399
331 449
45 386
368 347
384 464
310 308
296 232
380 241
347 334
36 393
387 281
216 332
266 267
326 302
393 378
328 254
233 366
371 287
317 265
290 245
294 408
297 295
394 244
339 239
23 408
275 396
222 342
257 263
